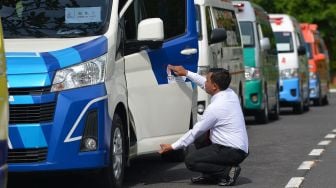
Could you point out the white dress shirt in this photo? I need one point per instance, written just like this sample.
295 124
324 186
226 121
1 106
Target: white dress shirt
223 117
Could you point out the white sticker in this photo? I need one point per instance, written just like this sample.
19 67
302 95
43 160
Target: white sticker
83 15
173 79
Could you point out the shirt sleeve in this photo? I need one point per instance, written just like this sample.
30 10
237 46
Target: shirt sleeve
207 122
196 78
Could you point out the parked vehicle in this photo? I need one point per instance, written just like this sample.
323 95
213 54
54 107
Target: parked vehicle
293 63
3 115
261 97
318 64
220 45
88 82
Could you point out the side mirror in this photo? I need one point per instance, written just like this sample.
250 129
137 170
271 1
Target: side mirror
320 57
151 29
302 50
217 35
150 35
265 44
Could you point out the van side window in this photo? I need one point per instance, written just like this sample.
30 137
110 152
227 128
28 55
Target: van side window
172 13
198 22
130 23
247 33
227 19
268 32
208 21
320 47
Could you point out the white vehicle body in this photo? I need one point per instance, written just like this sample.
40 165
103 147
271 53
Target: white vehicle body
293 63
228 53
108 93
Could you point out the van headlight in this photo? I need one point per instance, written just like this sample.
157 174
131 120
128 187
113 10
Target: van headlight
84 74
312 75
252 73
289 73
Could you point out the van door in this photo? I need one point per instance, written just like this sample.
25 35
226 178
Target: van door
160 109
231 50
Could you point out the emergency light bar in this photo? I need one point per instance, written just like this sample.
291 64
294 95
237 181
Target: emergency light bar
277 21
239 6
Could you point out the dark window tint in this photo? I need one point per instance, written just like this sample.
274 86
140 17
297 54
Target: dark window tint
227 19
172 13
284 42
309 50
54 18
209 23
247 34
198 22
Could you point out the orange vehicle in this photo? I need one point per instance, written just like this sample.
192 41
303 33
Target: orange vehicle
318 64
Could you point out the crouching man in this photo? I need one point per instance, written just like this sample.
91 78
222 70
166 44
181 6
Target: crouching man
223 119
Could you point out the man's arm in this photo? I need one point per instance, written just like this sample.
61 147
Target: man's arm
194 77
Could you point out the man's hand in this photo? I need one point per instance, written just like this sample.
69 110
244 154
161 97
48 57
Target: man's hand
178 70
165 148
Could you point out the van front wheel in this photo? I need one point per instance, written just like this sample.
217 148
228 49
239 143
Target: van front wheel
114 173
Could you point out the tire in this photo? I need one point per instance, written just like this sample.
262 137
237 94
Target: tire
262 115
325 100
276 110
114 173
319 100
298 107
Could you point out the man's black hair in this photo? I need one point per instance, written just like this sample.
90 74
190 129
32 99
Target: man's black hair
221 77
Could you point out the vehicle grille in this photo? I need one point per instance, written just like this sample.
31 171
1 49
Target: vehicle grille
27 155
31 113
29 91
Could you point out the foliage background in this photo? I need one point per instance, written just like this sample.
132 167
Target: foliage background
321 12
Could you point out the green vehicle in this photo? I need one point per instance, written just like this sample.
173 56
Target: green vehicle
3 115
261 98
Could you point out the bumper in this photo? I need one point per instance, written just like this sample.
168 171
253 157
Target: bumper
60 139
253 95
290 91
314 89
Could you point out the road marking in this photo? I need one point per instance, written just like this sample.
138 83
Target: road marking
332 90
294 182
306 165
324 143
334 131
330 136
316 152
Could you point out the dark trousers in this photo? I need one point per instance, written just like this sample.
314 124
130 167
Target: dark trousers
214 159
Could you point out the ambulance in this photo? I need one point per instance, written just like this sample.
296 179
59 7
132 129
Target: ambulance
3 115
220 45
293 62
89 86
318 64
261 98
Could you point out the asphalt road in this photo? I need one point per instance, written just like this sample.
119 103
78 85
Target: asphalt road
277 150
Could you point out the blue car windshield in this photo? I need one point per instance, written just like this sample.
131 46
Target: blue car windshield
54 18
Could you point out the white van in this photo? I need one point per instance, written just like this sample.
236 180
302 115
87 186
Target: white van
261 97
88 81
293 62
218 18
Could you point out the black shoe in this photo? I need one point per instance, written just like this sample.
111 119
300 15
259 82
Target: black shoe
223 182
203 179
232 179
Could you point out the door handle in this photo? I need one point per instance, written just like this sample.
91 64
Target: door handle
189 51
